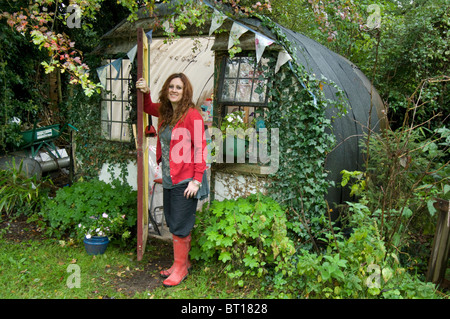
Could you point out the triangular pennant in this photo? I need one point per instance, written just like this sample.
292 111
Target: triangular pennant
236 31
261 42
149 35
283 57
117 64
132 53
101 72
217 20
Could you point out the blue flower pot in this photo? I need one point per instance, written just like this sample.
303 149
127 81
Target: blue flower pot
96 245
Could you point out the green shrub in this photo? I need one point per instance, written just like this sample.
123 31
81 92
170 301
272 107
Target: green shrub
359 266
85 201
17 191
248 235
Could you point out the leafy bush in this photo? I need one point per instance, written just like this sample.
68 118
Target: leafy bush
86 201
359 266
407 170
248 235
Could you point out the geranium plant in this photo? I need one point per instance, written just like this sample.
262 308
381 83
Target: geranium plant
105 224
235 121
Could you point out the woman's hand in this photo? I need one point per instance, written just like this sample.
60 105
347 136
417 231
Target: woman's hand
141 84
191 190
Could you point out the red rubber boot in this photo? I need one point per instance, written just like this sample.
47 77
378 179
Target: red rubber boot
166 273
180 252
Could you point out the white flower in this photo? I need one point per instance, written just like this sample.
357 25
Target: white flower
88 236
105 215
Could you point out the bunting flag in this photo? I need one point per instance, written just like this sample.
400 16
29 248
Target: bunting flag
261 42
117 64
236 31
132 53
101 72
217 20
283 57
149 35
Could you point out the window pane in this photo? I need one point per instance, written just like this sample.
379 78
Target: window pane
246 67
116 131
243 91
106 129
105 111
117 111
259 91
231 69
229 88
126 112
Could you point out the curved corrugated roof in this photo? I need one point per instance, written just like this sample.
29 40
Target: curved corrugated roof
178 56
349 129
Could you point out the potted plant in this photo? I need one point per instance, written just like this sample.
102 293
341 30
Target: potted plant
97 231
235 134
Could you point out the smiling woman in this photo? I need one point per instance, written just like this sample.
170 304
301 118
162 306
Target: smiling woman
175 91
184 182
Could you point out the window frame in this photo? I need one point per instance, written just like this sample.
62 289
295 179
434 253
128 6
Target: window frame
224 104
125 101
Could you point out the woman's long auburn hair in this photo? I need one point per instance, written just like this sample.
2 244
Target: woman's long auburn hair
166 114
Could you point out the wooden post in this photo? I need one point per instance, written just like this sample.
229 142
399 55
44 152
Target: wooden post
143 51
437 264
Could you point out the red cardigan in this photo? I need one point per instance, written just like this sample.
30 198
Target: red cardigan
187 146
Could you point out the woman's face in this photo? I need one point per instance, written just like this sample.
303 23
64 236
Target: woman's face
175 90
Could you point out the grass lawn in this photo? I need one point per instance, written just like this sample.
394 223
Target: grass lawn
35 267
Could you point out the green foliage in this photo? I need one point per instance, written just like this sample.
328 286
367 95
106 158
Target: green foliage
409 45
248 235
305 132
415 36
83 200
22 90
17 191
406 172
357 187
93 150
235 121
358 266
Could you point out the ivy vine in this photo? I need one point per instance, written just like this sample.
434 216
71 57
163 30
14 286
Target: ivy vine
306 138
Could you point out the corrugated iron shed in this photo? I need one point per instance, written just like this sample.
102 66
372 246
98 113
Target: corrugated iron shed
199 66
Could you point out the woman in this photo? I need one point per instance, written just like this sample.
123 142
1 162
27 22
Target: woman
181 148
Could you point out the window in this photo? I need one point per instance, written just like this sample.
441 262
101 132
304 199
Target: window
244 87
242 103
116 103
